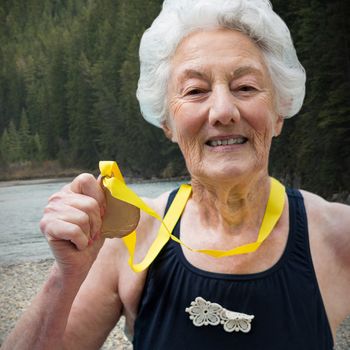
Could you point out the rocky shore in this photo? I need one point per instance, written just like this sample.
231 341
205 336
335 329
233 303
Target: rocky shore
20 282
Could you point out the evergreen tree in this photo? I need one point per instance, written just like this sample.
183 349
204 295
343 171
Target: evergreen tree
80 106
13 146
37 148
69 71
5 147
25 138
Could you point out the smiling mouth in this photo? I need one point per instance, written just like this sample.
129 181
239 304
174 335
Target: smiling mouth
227 142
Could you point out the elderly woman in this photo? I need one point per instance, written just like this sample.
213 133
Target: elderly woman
219 77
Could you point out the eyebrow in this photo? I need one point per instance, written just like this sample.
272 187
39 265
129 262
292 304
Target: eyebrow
245 70
192 73
239 72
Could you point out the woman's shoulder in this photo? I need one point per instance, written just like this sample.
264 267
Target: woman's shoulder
331 213
329 232
330 221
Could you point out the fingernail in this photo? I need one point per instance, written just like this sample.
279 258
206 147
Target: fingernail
90 241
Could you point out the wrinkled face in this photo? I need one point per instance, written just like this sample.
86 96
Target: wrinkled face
221 105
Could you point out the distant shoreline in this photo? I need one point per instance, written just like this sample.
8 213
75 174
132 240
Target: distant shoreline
8 183
38 181
30 170
51 171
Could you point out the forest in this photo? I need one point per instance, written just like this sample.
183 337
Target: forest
69 71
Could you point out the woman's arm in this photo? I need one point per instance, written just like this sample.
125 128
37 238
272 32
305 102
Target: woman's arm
78 304
69 313
329 231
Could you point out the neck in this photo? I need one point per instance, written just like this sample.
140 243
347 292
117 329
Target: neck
232 207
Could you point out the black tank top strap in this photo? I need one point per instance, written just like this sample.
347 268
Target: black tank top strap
171 197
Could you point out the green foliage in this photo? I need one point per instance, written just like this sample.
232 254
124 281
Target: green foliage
19 145
314 149
5 147
69 71
14 148
25 138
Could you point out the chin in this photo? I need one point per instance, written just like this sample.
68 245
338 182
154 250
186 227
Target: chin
220 174
233 171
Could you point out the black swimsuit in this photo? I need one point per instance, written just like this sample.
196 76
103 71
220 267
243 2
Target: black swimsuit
285 299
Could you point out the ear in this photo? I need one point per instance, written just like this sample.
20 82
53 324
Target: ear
168 131
278 126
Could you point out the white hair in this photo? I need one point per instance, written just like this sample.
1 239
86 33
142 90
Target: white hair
254 18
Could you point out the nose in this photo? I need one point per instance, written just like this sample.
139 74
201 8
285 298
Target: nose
223 109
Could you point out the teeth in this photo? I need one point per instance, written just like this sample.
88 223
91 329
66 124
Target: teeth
232 141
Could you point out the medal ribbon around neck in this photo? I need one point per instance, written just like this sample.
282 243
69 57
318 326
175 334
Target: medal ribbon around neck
113 180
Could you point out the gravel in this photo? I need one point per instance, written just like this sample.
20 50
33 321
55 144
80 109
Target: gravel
20 283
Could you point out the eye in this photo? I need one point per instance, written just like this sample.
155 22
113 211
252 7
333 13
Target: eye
194 92
247 88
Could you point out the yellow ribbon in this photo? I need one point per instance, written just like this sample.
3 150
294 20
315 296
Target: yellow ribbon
114 181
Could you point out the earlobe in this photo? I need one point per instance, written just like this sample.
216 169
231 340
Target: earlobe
278 126
168 132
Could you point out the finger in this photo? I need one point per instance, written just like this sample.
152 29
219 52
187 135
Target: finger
59 230
86 184
72 215
81 202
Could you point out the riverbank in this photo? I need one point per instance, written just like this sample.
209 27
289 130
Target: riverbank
21 282
29 170
51 171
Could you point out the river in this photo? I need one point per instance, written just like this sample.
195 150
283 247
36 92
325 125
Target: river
21 208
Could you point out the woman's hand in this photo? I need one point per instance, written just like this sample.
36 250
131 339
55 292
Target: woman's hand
72 225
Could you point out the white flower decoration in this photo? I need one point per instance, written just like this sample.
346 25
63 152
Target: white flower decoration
204 313
235 321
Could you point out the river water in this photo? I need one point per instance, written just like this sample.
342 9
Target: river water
21 208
